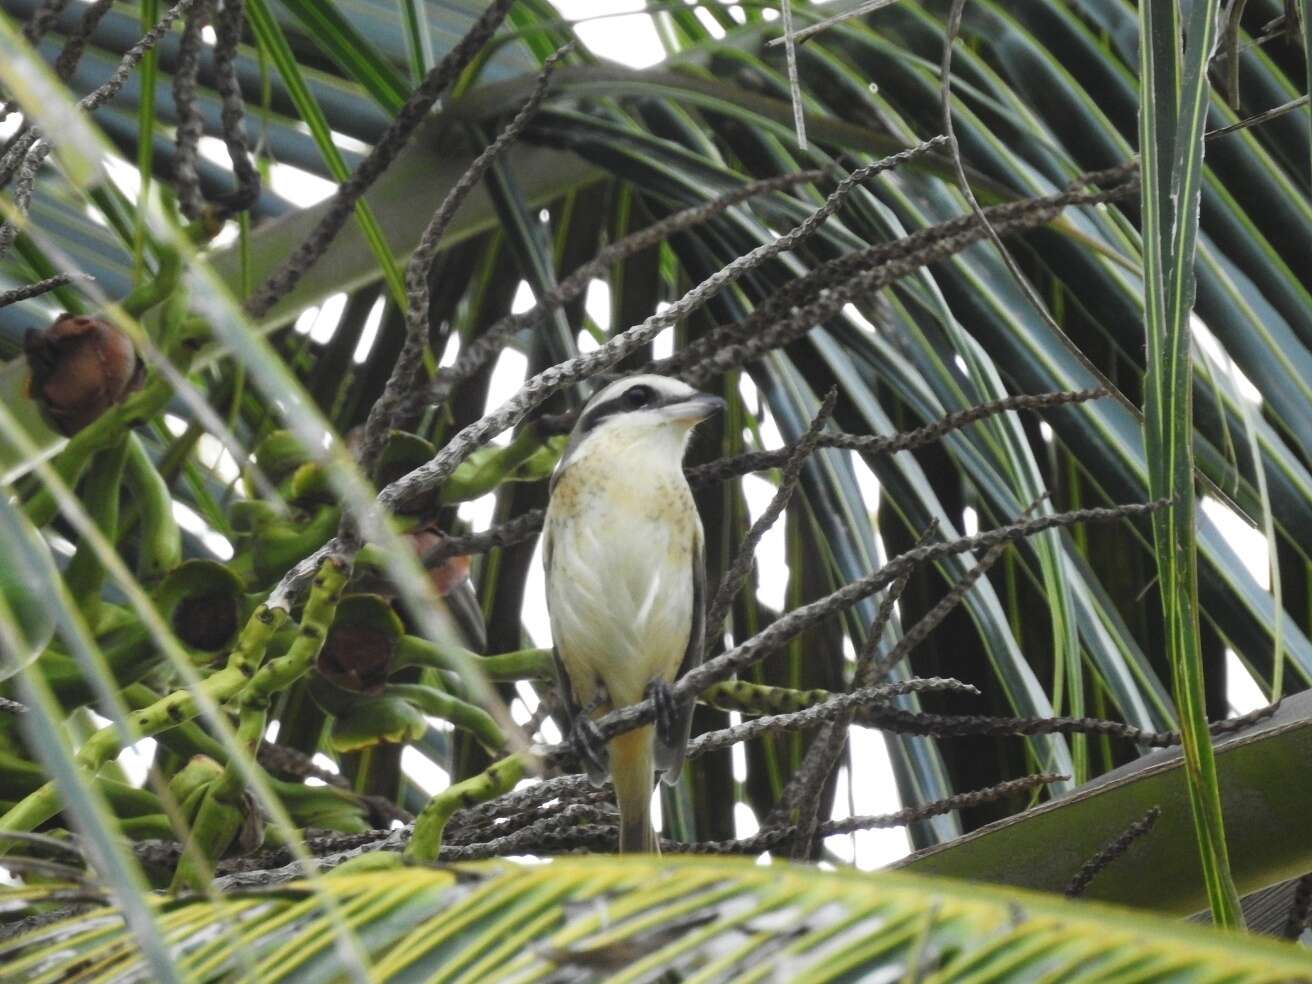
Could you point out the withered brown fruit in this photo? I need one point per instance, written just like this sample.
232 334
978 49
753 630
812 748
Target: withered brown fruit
446 575
356 657
80 367
207 622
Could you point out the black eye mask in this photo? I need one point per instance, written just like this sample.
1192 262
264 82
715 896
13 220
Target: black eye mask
639 396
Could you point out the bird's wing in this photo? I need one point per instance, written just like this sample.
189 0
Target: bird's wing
568 702
669 758
566 692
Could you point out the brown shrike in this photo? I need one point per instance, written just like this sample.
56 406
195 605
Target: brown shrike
626 582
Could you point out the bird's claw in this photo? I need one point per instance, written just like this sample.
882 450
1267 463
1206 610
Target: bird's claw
588 745
667 711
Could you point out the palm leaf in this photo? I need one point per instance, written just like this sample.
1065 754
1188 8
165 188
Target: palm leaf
1041 848
707 919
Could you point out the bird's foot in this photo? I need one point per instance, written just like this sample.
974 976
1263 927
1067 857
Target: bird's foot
600 697
667 712
588 745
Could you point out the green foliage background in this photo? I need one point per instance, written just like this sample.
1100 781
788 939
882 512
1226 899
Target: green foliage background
1068 623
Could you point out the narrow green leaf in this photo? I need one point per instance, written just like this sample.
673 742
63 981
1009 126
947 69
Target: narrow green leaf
326 26
148 70
418 42
274 43
84 802
1172 120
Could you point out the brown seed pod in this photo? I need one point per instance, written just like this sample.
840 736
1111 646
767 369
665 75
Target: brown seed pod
357 655
203 601
446 575
207 622
80 367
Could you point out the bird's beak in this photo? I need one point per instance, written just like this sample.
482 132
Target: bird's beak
695 408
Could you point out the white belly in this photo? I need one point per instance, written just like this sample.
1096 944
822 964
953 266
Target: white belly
622 542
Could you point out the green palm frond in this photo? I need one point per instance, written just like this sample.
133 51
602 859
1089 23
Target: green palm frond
593 919
1261 811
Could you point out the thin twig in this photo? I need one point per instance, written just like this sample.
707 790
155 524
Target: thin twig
1110 852
70 54
24 186
792 623
385 151
802 794
814 298
870 6
423 480
817 714
227 28
1257 118
754 461
28 291
133 56
67 60
43 19
191 125
868 673
584 827
914 636
733 578
407 372
25 181
482 349
905 722
38 25
794 86
595 804
959 801
505 534
527 524
523 799
904 646
529 839
772 836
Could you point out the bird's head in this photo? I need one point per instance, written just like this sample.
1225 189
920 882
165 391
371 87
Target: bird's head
642 408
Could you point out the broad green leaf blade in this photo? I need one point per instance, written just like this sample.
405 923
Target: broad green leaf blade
1042 848
403 201
593 919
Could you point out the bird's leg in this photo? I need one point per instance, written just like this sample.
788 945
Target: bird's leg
667 712
589 746
586 740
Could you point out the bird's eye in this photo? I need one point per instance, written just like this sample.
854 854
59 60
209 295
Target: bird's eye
638 396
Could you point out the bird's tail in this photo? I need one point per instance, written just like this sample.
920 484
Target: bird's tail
631 773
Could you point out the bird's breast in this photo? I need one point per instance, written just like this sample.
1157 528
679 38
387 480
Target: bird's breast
622 541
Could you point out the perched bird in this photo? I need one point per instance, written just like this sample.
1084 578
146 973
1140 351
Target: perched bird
626 582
